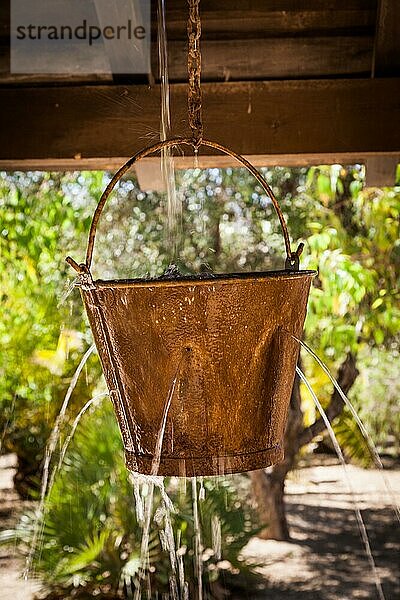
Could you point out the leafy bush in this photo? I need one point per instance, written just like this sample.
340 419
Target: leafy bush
92 536
41 342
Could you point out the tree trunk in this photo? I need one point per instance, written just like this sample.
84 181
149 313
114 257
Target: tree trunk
269 484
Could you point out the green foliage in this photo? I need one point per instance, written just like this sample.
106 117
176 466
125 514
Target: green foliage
91 536
39 220
355 302
227 223
376 396
355 243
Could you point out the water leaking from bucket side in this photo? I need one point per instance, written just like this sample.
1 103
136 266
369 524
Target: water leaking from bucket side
357 511
146 506
67 292
50 448
41 513
368 439
71 434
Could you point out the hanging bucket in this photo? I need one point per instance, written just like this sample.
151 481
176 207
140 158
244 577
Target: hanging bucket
200 369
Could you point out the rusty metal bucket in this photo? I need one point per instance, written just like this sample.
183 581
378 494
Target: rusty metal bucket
209 361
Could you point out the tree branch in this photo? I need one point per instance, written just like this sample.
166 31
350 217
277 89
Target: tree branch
346 377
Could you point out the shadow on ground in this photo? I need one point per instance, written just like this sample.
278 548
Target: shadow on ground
326 559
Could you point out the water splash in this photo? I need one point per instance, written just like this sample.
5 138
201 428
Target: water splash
216 536
50 448
67 292
368 439
357 511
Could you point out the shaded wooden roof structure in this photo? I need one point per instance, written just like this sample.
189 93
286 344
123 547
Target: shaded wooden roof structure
286 82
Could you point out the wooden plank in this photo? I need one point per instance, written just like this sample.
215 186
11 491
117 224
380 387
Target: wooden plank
203 162
252 39
386 60
265 118
257 18
380 171
275 58
237 17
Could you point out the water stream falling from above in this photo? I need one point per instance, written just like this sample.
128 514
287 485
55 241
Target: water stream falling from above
50 448
364 432
174 205
360 521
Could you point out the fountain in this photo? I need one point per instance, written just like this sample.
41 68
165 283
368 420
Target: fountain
211 347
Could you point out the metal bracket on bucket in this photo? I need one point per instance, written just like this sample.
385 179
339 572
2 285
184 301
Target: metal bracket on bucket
293 263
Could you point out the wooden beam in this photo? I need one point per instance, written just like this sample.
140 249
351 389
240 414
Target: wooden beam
246 59
273 58
380 171
386 60
151 166
291 118
227 19
244 40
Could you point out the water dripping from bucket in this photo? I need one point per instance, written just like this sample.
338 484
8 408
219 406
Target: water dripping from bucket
67 292
145 509
50 448
368 439
357 511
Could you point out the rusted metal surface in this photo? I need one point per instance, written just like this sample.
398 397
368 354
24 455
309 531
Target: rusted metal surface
226 340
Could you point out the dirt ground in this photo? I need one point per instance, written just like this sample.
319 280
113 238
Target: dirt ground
12 586
326 559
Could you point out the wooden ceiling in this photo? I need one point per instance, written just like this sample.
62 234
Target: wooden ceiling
285 81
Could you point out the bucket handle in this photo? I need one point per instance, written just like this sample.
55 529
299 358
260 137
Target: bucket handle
292 258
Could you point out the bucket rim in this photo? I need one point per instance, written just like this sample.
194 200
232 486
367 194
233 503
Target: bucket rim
204 279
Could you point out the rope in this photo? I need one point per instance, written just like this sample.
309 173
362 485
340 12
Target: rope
194 72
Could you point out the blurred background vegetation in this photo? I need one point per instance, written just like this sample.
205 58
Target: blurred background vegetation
228 224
